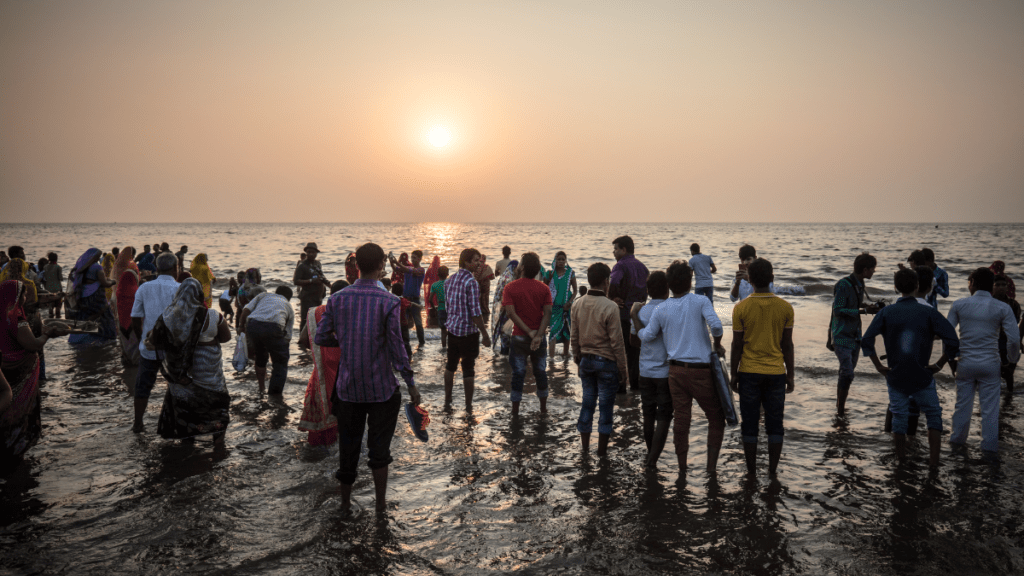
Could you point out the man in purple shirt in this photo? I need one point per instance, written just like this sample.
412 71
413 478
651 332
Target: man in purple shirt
628 286
465 325
364 322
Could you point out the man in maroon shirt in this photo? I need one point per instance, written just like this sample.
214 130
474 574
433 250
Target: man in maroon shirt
527 303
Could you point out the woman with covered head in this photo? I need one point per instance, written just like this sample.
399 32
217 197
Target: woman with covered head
88 284
197 400
562 281
499 318
124 296
200 270
21 421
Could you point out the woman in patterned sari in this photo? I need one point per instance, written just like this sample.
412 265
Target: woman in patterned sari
200 270
107 263
21 421
197 400
87 280
499 318
317 418
562 281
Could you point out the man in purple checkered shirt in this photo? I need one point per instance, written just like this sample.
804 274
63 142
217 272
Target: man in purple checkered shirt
464 324
364 322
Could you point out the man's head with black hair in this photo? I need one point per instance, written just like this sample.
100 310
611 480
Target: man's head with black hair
761 273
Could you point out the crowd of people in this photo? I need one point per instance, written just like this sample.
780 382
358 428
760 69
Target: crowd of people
629 328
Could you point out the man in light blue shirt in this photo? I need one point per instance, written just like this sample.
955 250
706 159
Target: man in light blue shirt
151 299
703 267
980 316
683 320
655 398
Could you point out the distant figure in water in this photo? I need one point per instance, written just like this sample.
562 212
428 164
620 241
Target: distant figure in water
908 330
363 322
762 363
703 267
741 286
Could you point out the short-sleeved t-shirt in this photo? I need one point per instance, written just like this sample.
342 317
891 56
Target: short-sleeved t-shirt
701 265
762 318
529 297
437 290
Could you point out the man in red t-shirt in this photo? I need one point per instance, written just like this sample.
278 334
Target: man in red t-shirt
527 303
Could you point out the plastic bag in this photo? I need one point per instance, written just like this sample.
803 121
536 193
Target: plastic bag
240 361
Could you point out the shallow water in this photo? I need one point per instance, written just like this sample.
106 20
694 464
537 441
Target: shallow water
491 494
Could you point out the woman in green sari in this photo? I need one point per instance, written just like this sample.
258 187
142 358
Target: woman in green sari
562 281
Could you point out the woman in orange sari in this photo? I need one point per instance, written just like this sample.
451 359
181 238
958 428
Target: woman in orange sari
317 418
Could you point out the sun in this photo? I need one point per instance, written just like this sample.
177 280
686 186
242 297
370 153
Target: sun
439 136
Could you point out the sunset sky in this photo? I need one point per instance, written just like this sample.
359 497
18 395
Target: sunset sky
522 111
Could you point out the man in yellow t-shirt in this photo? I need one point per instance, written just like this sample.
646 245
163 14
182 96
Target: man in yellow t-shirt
762 363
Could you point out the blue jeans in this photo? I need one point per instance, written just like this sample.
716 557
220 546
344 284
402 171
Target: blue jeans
600 384
928 402
757 390
847 362
270 342
517 360
708 291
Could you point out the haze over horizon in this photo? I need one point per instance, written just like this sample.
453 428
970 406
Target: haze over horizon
566 111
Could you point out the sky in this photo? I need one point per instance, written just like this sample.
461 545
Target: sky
557 111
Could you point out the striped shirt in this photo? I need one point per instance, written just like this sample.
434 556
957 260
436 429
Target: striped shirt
462 302
363 321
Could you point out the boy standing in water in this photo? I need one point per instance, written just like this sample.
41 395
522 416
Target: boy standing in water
845 328
908 329
941 278
703 267
1000 291
762 363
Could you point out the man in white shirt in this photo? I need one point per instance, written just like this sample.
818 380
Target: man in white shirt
703 267
684 319
151 299
980 316
267 320
655 398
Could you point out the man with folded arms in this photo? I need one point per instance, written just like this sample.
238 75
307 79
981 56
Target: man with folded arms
363 322
684 321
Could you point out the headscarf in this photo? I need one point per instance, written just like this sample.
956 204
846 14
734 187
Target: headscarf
16 270
182 313
999 267
351 268
200 270
108 270
397 276
10 294
429 277
124 262
560 285
90 257
127 285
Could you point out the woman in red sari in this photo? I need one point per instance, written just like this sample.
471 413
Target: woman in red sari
317 418
124 292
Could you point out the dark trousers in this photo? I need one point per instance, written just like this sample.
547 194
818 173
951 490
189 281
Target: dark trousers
270 343
353 417
304 308
759 391
632 357
417 319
